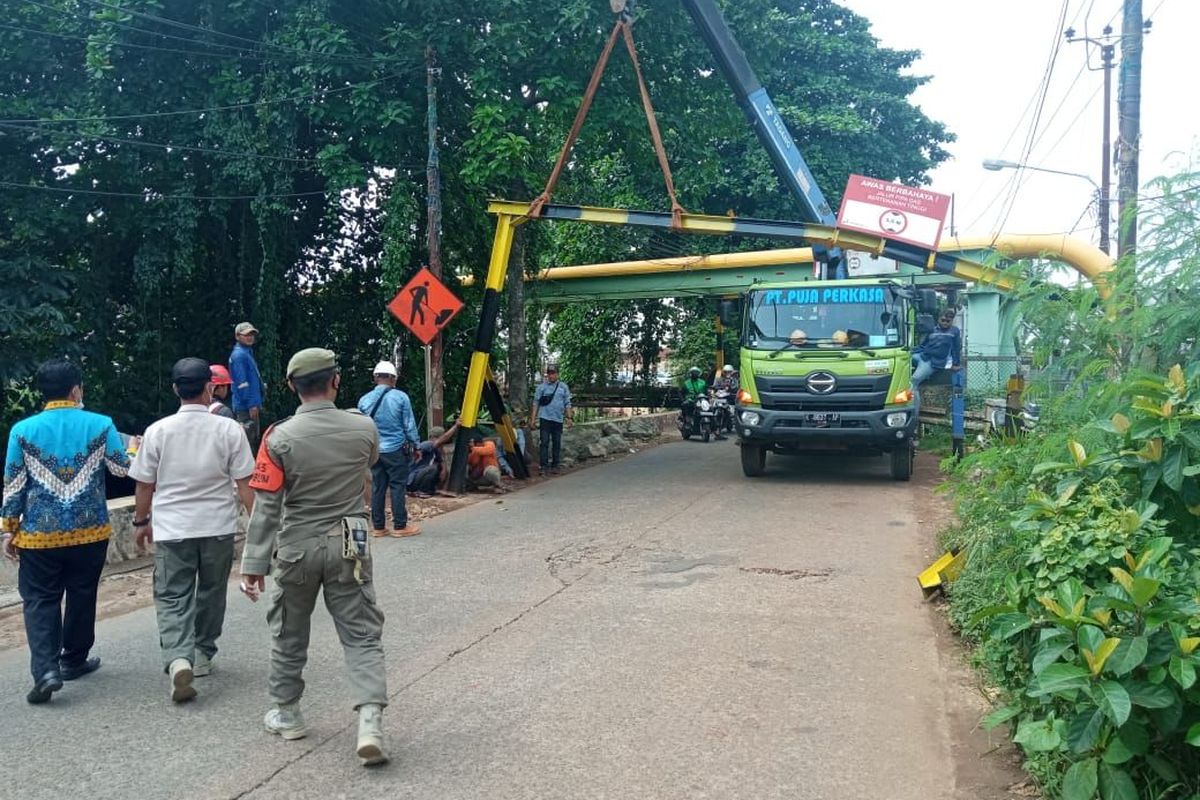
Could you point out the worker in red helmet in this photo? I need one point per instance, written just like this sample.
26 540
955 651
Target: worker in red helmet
221 381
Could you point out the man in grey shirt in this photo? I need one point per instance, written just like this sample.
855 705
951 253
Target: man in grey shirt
552 400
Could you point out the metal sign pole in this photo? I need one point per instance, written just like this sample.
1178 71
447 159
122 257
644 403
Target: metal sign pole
429 420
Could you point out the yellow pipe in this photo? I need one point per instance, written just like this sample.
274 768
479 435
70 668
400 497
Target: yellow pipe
762 258
1091 262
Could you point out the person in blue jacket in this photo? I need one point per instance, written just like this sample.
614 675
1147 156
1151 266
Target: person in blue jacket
247 391
940 349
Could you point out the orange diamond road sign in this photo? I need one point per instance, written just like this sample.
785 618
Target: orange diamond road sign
425 306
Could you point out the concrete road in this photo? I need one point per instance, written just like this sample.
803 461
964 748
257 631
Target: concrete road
656 627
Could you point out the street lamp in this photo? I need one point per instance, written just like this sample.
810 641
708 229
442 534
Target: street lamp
996 164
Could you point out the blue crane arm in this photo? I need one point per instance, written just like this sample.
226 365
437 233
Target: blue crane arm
764 117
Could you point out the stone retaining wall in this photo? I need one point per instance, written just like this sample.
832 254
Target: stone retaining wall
121 547
606 437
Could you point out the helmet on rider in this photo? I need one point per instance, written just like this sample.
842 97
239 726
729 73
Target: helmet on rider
727 369
694 372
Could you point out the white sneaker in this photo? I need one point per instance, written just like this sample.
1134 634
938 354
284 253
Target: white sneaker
181 681
370 735
203 666
286 721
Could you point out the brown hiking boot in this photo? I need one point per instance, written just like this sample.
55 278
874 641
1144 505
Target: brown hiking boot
407 530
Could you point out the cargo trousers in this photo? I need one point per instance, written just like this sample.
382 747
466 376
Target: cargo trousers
191 583
301 570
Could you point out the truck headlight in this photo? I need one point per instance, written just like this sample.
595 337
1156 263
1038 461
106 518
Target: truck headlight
750 418
897 419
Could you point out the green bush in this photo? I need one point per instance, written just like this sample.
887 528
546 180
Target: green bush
1082 584
1086 612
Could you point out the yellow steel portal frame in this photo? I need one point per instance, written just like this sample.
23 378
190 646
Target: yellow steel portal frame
1088 260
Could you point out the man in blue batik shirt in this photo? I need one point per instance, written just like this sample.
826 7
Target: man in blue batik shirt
54 520
398 439
247 391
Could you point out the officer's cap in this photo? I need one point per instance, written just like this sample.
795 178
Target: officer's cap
310 360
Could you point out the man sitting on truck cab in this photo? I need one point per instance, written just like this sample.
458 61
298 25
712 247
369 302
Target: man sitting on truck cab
940 349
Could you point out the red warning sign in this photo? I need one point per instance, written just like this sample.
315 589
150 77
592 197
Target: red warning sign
425 306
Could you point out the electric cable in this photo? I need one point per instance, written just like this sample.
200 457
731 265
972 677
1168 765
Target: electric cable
211 32
1006 209
152 196
187 148
231 107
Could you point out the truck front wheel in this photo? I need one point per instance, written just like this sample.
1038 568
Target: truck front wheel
902 463
754 460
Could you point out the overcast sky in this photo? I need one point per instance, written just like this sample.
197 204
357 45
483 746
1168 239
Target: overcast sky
986 61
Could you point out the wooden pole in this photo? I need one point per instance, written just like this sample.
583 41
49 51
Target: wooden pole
433 354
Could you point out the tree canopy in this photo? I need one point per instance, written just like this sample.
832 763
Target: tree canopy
171 167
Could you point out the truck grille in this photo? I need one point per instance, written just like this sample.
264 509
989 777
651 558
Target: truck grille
860 393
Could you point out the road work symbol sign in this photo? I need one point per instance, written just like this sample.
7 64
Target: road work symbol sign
425 306
894 211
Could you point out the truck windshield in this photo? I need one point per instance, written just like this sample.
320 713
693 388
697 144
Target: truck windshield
825 317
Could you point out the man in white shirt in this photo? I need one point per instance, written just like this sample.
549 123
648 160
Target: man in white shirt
186 470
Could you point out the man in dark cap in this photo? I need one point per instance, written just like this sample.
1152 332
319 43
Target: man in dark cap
310 527
186 470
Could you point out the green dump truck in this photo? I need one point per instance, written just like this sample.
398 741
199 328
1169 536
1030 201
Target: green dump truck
826 366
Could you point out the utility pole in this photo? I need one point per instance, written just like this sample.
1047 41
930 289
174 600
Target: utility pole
1104 200
1129 102
433 354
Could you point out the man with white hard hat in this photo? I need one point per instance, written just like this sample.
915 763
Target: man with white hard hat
398 439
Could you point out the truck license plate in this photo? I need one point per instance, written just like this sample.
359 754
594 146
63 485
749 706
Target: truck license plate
823 419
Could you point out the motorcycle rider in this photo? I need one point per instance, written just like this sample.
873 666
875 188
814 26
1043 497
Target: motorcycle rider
727 383
694 388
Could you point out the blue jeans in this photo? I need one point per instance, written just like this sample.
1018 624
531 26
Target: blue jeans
923 368
43 577
390 472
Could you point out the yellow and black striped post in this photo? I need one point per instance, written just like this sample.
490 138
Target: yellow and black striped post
485 336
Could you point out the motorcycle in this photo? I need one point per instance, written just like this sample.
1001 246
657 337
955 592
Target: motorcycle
723 410
697 418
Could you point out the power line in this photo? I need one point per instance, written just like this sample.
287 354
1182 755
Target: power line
189 148
211 32
1006 208
1070 125
1014 180
231 107
153 196
157 48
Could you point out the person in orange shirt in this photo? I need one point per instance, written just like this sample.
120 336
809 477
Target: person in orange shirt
483 468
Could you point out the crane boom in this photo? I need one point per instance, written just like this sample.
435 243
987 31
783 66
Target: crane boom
764 117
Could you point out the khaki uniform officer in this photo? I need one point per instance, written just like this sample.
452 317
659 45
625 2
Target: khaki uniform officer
309 477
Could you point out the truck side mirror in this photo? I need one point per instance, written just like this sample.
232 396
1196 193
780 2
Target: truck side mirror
925 324
927 301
